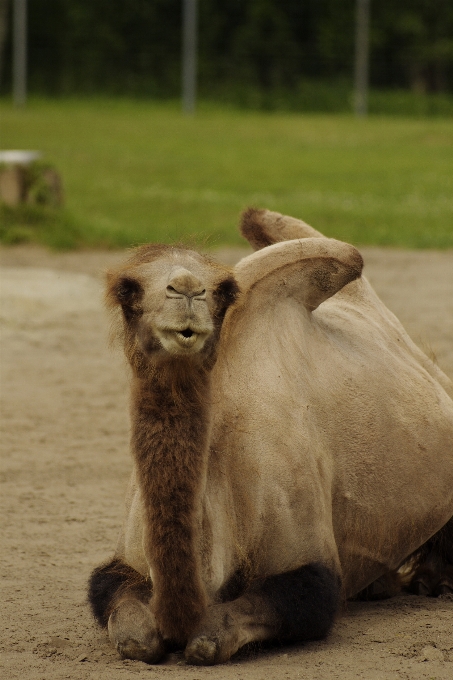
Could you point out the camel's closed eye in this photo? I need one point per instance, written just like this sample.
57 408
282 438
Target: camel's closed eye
226 293
128 291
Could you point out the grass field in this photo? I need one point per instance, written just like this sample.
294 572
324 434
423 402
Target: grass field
140 171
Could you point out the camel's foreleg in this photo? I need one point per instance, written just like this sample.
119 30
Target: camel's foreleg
119 598
294 606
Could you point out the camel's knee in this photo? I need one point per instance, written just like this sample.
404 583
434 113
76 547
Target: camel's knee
133 632
295 606
111 582
119 598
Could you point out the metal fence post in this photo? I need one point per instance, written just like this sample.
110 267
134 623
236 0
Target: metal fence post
19 52
189 56
361 58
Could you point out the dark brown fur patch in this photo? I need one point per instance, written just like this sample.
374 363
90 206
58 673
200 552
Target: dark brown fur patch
109 583
121 278
169 441
253 229
225 294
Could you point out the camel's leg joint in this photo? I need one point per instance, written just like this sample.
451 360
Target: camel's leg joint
294 606
119 598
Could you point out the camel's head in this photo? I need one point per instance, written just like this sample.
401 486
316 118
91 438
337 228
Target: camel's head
173 301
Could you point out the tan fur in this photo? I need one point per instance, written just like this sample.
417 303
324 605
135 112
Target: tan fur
304 427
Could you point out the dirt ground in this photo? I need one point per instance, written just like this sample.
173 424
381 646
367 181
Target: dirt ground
65 467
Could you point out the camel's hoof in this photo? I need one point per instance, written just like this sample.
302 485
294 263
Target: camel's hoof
131 649
444 588
202 651
420 587
133 632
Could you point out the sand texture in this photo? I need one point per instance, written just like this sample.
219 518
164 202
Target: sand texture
65 465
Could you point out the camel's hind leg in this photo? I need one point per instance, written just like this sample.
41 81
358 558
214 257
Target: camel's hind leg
119 598
434 572
428 571
295 606
262 228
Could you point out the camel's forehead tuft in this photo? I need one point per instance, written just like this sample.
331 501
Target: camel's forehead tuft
153 251
146 253
164 256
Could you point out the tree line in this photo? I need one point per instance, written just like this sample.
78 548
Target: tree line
133 47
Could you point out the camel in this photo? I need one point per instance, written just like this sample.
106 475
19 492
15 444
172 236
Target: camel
291 447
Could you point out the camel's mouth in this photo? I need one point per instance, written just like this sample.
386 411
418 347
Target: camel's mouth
184 341
187 337
190 339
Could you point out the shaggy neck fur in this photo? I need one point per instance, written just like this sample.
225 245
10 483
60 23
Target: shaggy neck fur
170 431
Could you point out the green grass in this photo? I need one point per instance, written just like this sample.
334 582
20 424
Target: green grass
324 96
141 171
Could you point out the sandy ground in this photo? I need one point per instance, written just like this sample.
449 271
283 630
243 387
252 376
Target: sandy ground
65 467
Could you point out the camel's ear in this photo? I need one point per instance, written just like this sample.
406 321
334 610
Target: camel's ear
310 270
263 228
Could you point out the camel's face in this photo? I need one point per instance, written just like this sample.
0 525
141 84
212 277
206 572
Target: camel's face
176 310
172 302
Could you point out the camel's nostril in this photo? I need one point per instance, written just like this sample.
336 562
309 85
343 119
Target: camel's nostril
187 333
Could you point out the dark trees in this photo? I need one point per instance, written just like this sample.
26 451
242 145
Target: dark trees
134 46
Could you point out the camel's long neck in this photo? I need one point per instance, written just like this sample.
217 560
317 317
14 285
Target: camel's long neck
170 430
